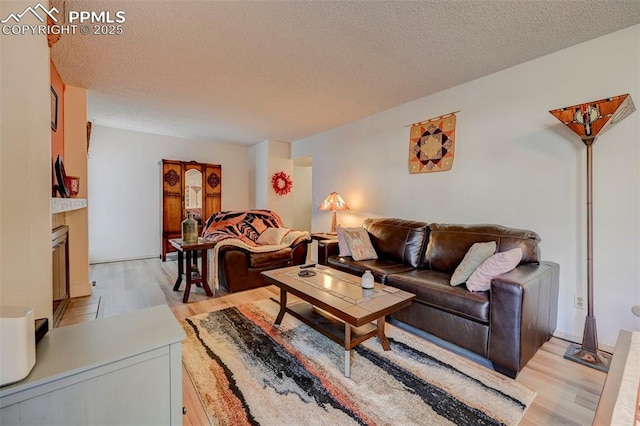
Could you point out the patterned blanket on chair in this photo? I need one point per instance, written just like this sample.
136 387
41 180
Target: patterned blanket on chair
246 225
242 229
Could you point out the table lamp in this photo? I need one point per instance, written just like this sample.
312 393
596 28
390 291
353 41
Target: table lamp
333 202
589 121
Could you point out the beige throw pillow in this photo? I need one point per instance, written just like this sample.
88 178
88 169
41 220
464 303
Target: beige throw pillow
497 264
272 236
478 253
359 244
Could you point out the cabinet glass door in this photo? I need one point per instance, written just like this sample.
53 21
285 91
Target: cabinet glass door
193 194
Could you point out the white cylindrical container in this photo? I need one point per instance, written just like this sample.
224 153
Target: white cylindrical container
367 279
17 343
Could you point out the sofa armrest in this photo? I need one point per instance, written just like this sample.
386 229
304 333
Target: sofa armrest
300 242
295 253
299 251
524 309
327 248
240 269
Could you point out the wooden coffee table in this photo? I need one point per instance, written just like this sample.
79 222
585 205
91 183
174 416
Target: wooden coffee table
335 305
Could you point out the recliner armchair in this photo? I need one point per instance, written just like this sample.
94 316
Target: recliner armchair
239 256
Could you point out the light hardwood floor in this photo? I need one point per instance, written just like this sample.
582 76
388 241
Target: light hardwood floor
567 392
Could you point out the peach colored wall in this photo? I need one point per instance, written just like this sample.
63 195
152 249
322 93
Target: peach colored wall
75 161
57 136
70 141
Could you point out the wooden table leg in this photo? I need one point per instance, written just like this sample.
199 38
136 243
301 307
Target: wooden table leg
383 338
195 265
176 286
205 284
187 289
347 350
283 307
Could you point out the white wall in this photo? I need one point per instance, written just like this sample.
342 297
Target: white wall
267 158
124 183
302 190
515 165
281 204
280 161
259 159
25 169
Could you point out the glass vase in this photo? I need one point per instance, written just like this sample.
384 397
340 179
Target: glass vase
189 230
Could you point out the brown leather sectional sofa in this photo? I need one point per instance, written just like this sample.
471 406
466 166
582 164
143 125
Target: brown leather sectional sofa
506 324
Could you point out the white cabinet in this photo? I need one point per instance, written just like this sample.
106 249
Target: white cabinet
123 370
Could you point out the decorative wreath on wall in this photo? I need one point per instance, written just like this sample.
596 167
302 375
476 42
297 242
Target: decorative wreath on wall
281 183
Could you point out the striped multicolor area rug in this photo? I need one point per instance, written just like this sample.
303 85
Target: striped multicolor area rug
248 372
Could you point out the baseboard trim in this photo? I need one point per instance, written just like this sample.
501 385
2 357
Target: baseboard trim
578 340
124 259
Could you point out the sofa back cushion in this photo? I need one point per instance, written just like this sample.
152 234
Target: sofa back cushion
398 240
449 243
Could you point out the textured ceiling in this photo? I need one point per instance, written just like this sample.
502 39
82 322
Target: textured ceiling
247 71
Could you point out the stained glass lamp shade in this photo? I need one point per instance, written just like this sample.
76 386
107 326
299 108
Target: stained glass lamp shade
590 120
333 202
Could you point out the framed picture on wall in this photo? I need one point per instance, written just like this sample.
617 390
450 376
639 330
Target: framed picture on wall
61 179
54 110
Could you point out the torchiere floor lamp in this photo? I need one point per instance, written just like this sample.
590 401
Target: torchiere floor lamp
589 121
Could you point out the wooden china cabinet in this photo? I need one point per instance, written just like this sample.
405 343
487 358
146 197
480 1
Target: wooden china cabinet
188 187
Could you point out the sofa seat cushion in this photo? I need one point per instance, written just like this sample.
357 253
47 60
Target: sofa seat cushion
432 288
270 258
380 268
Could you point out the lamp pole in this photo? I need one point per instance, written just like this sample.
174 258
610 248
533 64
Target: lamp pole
588 354
590 335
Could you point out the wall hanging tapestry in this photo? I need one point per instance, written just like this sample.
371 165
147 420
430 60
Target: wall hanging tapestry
281 183
247 372
432 144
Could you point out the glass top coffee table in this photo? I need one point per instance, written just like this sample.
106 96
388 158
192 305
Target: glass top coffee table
335 305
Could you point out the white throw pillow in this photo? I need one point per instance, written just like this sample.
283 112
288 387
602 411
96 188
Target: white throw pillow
293 235
272 236
497 264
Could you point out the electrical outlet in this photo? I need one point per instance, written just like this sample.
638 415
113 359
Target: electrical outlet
578 301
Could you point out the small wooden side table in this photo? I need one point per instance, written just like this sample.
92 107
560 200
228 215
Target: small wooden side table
323 236
191 249
320 237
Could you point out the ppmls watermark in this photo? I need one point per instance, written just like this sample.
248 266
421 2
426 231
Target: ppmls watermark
75 22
